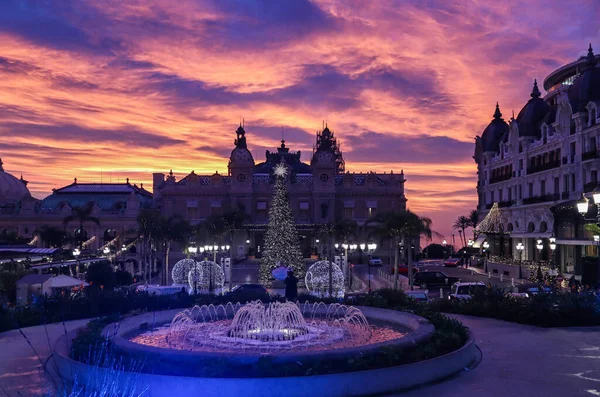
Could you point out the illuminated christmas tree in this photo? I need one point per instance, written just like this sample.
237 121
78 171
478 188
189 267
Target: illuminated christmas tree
282 246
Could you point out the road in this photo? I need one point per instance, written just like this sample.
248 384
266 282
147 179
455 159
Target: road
248 273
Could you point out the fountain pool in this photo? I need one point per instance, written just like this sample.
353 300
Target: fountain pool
268 351
267 328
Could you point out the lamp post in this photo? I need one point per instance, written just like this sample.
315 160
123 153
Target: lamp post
539 245
520 248
76 253
123 249
371 248
214 249
486 246
552 250
444 243
192 250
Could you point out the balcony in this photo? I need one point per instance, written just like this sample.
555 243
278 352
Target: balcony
543 167
592 154
541 199
501 178
508 203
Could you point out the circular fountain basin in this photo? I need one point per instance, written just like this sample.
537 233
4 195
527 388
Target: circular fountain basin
174 377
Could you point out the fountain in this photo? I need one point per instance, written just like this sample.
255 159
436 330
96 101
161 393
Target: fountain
256 327
272 349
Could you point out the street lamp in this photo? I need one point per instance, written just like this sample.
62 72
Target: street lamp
444 243
520 248
539 246
486 246
371 247
193 250
76 253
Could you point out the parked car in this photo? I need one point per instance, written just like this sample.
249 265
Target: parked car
434 279
420 296
248 292
528 290
465 291
452 262
403 270
375 261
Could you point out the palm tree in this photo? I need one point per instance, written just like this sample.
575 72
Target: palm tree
149 223
81 215
341 229
473 220
399 226
52 236
173 229
461 223
222 226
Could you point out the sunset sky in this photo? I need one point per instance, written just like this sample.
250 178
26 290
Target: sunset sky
123 88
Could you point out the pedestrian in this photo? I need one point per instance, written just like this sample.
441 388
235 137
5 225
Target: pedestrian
291 286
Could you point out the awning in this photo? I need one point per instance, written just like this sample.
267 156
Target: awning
531 235
479 241
64 281
574 242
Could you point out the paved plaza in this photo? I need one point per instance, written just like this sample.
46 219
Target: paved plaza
517 360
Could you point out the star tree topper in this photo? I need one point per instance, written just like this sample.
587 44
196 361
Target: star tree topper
280 170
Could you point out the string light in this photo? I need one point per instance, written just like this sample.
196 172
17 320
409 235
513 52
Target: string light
180 271
317 279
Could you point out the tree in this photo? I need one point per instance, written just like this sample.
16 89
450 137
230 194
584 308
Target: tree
281 240
123 278
172 229
149 223
81 215
399 226
435 251
222 226
100 274
52 236
473 220
341 229
461 224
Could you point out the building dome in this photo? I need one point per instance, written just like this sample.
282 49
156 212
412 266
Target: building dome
586 87
532 115
241 157
494 132
12 189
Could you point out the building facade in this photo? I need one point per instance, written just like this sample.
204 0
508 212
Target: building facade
115 205
539 163
320 192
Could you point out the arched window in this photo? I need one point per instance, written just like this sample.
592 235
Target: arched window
530 227
509 227
543 227
592 120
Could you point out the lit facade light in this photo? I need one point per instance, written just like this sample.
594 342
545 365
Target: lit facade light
207 248
596 238
486 245
345 246
363 246
583 205
123 248
247 241
76 252
372 246
596 195
317 241
192 249
470 243
215 247
552 246
336 245
227 247
201 249
444 243
520 246
106 250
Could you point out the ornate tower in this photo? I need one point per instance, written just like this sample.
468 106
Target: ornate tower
241 170
327 161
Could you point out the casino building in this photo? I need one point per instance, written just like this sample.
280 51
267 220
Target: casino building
321 192
534 167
